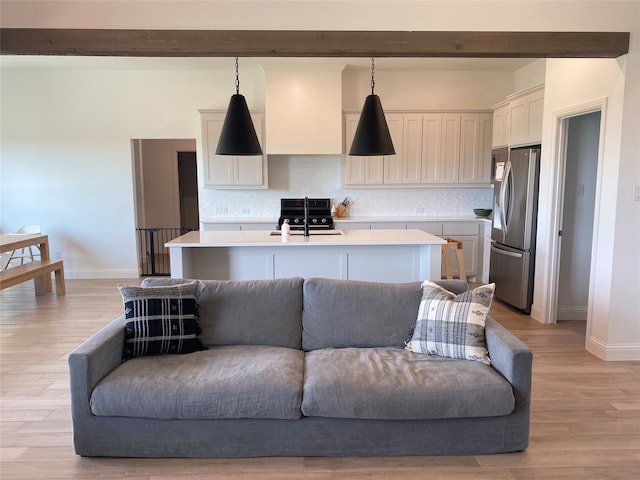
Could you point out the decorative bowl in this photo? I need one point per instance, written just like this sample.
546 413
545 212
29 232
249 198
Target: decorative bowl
482 212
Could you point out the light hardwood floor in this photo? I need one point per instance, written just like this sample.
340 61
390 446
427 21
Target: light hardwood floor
585 413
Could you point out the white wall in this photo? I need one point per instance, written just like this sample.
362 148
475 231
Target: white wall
66 153
414 90
567 91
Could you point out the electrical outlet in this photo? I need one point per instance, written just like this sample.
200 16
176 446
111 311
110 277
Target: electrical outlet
245 211
580 190
636 193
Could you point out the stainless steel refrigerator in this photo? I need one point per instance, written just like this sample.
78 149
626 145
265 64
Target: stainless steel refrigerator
514 221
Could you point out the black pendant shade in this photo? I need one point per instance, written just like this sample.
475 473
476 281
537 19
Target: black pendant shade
238 136
372 134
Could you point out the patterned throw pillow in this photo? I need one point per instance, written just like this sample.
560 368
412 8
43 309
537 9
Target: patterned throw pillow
452 325
161 320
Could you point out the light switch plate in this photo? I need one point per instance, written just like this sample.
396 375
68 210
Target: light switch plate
636 193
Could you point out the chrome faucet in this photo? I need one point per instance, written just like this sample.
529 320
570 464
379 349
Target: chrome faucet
306 216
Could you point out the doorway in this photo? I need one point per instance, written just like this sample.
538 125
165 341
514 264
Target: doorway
581 166
166 198
582 147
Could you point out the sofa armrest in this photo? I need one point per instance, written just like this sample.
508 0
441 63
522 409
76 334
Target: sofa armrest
91 362
512 358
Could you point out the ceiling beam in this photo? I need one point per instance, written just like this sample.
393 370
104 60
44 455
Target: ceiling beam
306 43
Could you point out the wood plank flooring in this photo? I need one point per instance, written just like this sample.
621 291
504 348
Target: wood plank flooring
585 412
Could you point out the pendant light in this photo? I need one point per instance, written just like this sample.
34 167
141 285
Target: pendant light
372 134
238 136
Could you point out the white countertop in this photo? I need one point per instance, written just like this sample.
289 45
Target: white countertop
363 219
249 238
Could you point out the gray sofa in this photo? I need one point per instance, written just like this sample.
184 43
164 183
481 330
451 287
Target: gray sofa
296 367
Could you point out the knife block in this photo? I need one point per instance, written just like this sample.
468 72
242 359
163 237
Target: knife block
341 211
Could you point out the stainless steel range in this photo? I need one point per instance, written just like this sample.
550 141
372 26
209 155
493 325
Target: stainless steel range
319 212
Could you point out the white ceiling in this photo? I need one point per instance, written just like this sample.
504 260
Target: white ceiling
198 63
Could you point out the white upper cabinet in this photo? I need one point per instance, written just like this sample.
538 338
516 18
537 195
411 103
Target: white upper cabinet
475 148
303 107
431 148
525 117
501 125
393 164
231 171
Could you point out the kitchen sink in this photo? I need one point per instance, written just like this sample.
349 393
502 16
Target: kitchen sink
311 232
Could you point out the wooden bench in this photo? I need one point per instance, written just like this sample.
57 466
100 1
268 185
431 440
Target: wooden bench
36 271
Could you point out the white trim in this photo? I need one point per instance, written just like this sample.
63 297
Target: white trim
548 311
89 274
623 352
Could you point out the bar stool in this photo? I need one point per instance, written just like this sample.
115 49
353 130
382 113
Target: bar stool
455 246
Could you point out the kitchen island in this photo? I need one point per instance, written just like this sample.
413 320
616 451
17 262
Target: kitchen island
371 255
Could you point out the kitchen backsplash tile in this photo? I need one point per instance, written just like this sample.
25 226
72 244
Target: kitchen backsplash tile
320 176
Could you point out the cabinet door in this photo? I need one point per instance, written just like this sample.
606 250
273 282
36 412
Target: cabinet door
230 171
248 169
373 170
412 149
500 133
388 226
434 228
526 118
450 148
360 170
393 163
475 148
219 169
431 147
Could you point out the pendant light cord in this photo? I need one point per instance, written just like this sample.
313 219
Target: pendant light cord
237 78
373 74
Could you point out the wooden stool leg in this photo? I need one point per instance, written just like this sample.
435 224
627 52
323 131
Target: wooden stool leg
462 275
447 262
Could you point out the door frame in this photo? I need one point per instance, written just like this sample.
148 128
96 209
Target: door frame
561 119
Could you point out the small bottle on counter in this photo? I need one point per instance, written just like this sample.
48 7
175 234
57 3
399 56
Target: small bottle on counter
333 209
285 229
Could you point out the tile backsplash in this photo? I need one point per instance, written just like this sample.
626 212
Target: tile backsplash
320 176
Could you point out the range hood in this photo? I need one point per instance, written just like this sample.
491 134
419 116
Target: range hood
303 109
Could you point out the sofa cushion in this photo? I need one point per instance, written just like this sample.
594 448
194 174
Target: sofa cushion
161 320
249 312
452 325
395 384
349 313
220 383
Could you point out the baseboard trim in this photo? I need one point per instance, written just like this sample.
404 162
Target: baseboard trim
622 352
88 274
575 312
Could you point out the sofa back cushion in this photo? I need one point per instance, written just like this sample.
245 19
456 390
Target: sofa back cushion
249 312
349 313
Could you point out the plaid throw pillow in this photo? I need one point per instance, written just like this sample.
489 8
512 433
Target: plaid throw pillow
452 325
161 320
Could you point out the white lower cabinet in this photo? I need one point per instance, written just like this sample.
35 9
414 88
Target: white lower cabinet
471 236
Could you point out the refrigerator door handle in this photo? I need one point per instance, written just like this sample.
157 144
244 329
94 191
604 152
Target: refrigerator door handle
504 252
503 197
